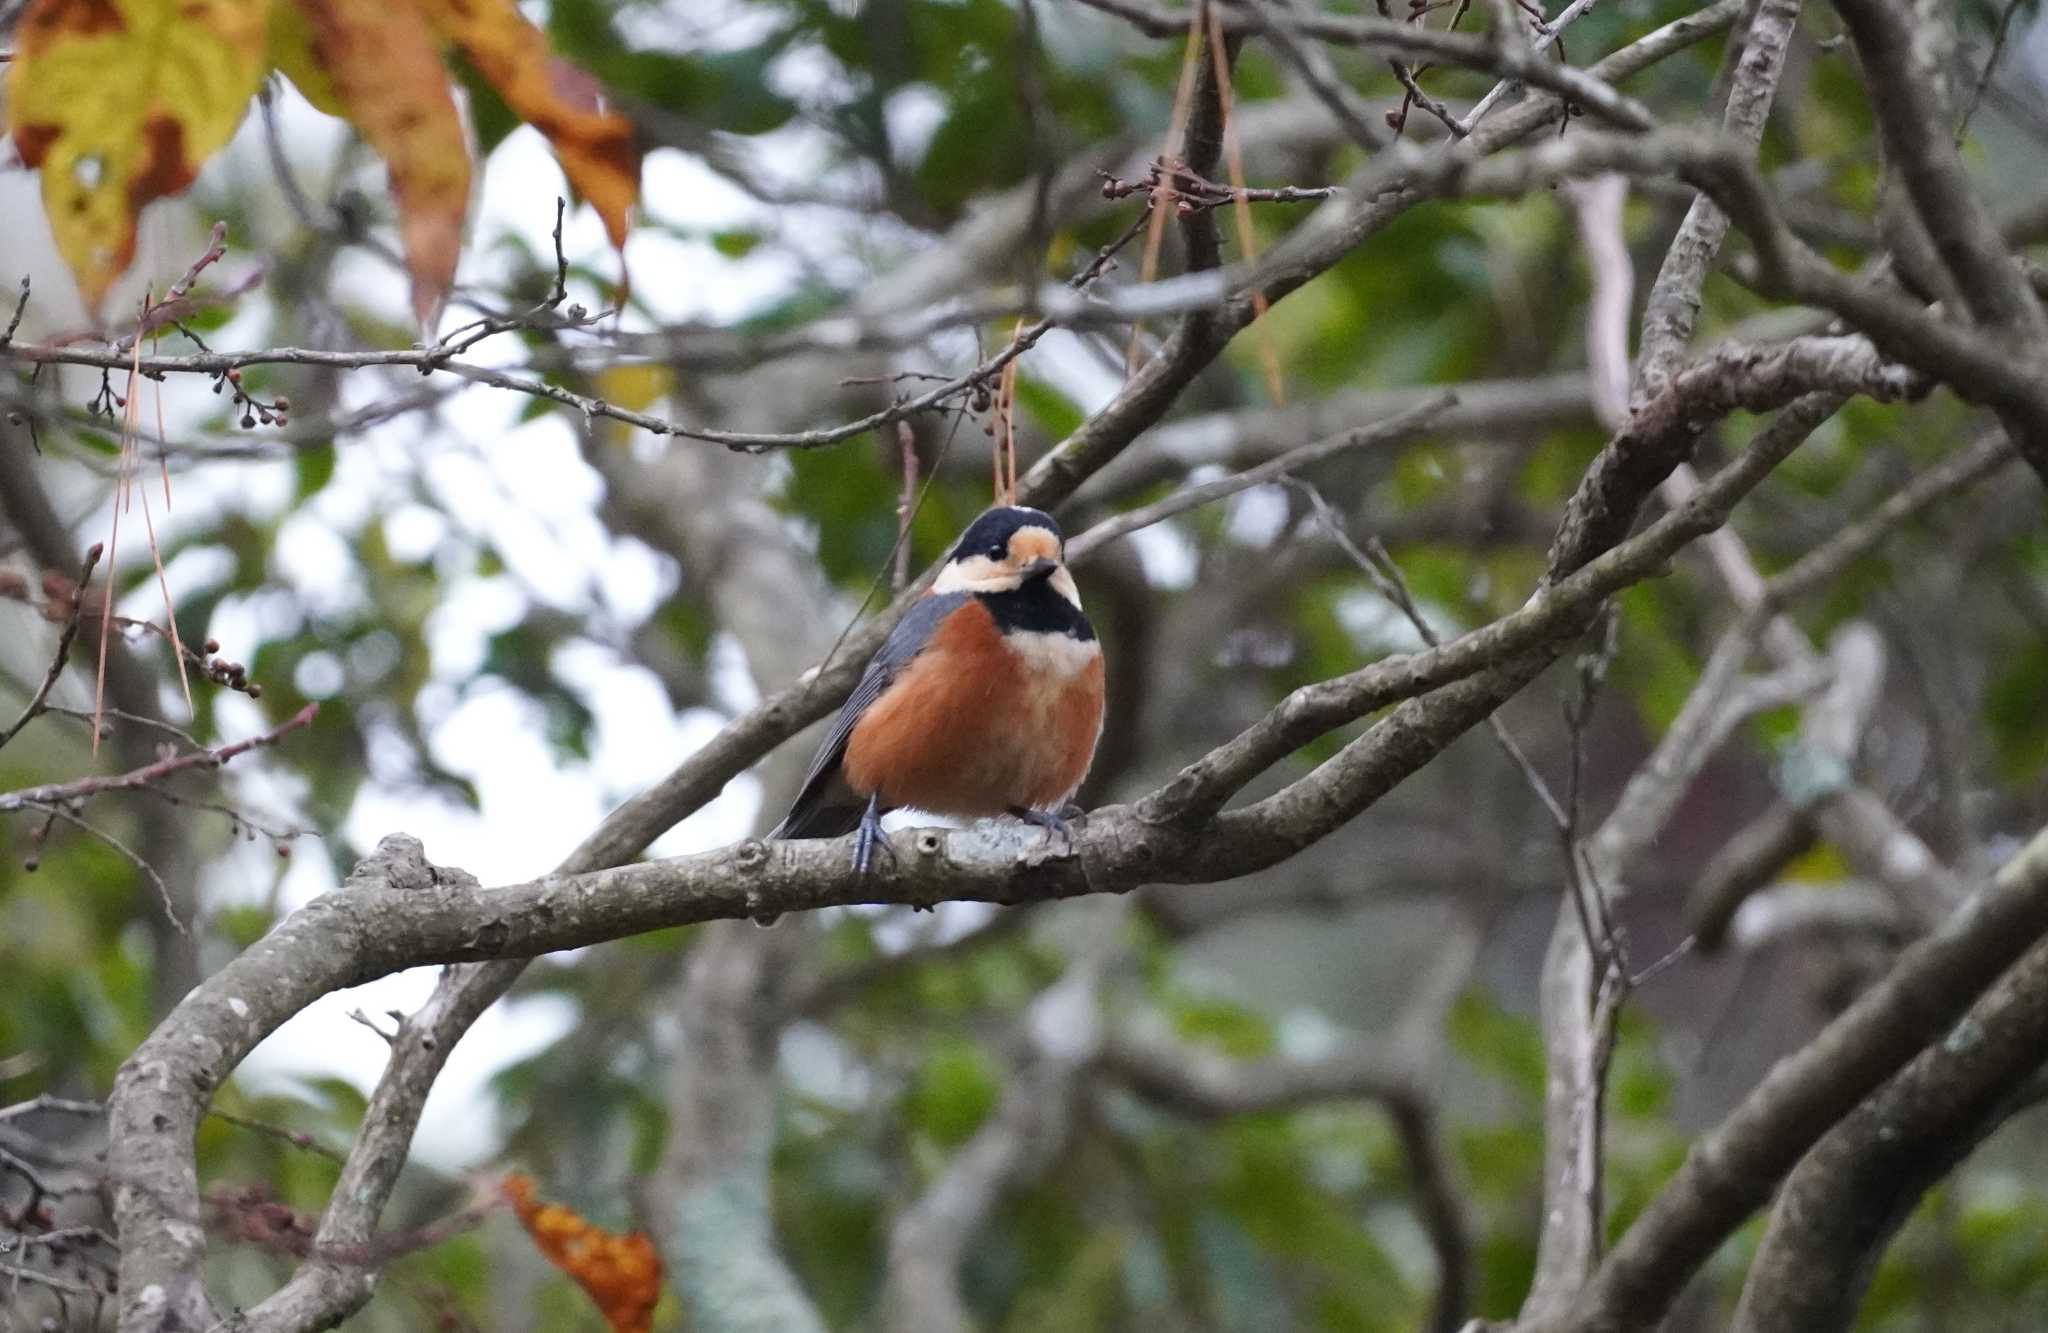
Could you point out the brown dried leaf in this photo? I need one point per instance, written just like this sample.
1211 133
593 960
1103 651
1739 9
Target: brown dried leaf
382 65
621 1273
594 143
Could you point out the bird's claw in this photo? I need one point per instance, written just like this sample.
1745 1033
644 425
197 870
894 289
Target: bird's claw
870 839
1048 820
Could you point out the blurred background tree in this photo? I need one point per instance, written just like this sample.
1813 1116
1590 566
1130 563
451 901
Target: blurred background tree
513 615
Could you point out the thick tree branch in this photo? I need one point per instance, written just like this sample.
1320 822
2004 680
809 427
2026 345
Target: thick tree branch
1389 37
1674 302
1862 1180
1731 1171
1905 62
1557 611
1852 1192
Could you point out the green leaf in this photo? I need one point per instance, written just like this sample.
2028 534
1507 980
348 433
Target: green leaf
313 468
955 1090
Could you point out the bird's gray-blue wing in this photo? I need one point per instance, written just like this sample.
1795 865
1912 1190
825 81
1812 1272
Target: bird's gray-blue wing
824 807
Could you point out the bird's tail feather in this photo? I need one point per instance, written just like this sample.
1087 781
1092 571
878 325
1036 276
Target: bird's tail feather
811 817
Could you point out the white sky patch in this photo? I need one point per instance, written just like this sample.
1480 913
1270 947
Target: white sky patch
461 1124
193 570
820 1067
1377 625
1166 555
318 564
1255 517
913 114
1087 368
412 532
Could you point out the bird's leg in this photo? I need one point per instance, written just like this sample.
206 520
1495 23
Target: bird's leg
1047 820
870 837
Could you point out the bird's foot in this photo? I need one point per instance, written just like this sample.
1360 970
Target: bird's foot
870 840
1048 820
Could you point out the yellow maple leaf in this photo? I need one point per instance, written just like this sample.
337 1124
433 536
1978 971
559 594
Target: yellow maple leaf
291 54
594 143
621 1273
117 102
382 66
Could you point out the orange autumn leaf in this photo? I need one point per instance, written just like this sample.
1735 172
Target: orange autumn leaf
383 68
622 1274
117 102
594 143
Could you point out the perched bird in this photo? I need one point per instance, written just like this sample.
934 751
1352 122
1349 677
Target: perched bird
986 699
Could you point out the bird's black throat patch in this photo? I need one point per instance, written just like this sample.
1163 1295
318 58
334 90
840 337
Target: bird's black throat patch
1037 608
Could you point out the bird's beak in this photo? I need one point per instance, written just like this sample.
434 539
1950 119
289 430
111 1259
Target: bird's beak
1038 569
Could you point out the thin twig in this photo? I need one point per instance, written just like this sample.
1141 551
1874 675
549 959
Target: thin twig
45 1103
1379 566
20 308
296 1138
1189 497
148 775
1553 31
39 702
133 857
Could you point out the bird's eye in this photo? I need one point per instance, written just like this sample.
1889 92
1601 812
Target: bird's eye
998 551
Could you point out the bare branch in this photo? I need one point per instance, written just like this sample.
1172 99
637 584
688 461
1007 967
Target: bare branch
1276 21
1732 1171
1860 1182
1597 204
920 1290
1550 33
39 700
1825 563
146 777
1746 863
1199 1082
1674 302
1793 911
1388 37
1208 492
1904 53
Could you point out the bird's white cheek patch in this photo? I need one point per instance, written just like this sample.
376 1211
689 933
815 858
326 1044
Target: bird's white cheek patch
1052 657
976 574
1063 584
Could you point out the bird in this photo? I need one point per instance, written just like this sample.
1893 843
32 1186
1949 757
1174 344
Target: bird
986 699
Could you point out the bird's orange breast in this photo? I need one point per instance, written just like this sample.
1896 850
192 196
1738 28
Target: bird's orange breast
979 722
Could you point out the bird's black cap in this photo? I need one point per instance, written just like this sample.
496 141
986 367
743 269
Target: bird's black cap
993 530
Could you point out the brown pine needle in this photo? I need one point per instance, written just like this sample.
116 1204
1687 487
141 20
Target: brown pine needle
1247 238
995 442
1003 429
1010 373
124 498
131 449
163 455
1163 192
906 441
163 583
